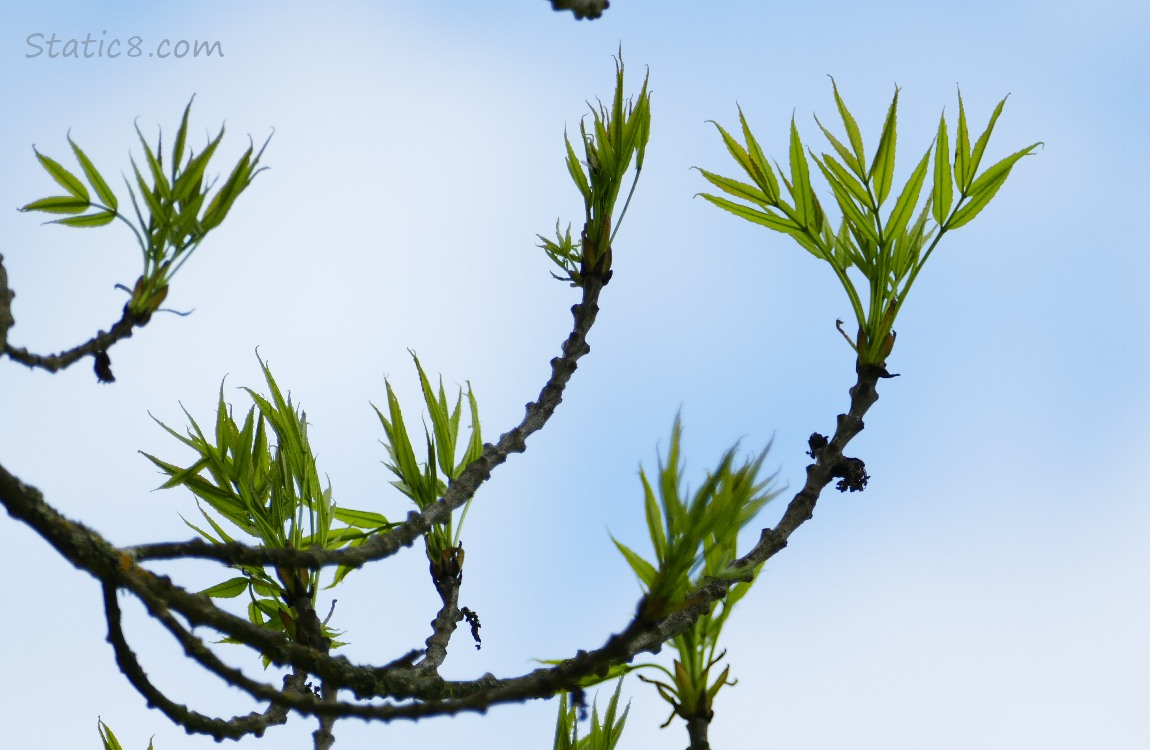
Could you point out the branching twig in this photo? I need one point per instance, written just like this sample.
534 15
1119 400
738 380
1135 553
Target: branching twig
458 492
234 728
100 343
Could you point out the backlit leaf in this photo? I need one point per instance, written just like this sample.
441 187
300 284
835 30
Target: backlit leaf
62 176
882 168
943 191
103 192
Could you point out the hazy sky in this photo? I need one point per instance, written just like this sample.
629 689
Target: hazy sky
989 589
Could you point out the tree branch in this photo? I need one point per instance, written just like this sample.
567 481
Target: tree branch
6 295
193 721
458 492
582 8
96 346
86 549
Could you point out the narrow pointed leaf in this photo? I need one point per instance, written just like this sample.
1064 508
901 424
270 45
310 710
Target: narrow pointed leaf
736 188
800 177
961 150
58 204
882 168
362 518
997 170
181 139
943 191
908 199
978 201
98 219
851 126
736 150
229 589
62 176
980 146
844 153
95 179
769 220
761 172
643 569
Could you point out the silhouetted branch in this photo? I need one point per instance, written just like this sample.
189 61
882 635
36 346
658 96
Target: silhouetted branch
460 490
97 347
434 697
6 295
582 8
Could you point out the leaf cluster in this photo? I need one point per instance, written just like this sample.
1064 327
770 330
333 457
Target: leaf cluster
888 247
604 734
261 477
617 135
694 540
424 483
173 210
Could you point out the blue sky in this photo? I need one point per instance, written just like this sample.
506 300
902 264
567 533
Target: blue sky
989 588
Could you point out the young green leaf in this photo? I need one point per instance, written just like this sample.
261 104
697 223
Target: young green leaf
943 191
362 518
736 188
98 219
107 737
62 176
882 168
908 199
962 151
181 139
229 589
58 204
643 569
765 217
980 147
103 192
852 129
806 206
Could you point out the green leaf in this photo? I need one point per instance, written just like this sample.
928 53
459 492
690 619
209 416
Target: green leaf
98 219
980 147
806 207
58 204
475 444
845 196
882 168
843 152
830 166
994 173
654 519
66 179
943 192
736 188
107 737
103 192
643 569
961 150
181 139
987 184
766 218
908 199
852 129
161 188
737 151
978 201
229 589
362 519
762 173
578 176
